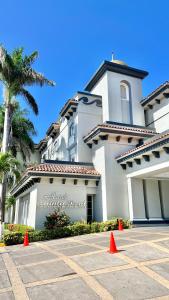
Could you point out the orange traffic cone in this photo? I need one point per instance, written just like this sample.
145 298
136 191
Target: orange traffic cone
120 225
113 248
26 239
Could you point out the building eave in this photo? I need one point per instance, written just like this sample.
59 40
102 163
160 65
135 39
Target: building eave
53 130
119 129
84 171
155 94
148 146
70 106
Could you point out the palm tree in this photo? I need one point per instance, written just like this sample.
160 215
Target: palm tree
8 169
21 132
16 73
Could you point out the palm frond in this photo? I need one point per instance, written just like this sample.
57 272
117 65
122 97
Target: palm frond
29 60
30 100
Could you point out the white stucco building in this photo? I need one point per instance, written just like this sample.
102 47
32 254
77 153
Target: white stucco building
108 154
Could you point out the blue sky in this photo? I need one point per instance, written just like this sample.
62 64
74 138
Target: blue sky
73 37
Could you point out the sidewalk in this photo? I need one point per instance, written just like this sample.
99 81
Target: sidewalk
81 268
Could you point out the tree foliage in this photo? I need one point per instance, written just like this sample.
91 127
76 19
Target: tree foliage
16 72
21 133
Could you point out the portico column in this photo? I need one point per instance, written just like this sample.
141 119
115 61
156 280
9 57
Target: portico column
16 220
130 198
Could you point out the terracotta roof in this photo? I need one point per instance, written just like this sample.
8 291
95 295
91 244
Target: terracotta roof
59 168
150 142
123 128
155 93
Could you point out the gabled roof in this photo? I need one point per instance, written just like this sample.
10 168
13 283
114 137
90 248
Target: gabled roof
114 67
59 168
155 93
119 128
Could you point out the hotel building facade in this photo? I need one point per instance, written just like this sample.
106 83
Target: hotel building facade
106 156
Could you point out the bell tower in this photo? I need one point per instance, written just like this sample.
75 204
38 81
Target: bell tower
121 89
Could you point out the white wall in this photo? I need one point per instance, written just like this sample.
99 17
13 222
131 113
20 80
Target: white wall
158 115
76 193
89 116
101 88
165 197
98 158
25 208
112 193
109 88
153 199
138 205
116 183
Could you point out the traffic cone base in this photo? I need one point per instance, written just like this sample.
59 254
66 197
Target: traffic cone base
26 240
120 225
113 248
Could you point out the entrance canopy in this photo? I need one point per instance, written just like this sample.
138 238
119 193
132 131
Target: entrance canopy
150 160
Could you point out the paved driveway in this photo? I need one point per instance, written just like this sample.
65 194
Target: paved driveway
81 268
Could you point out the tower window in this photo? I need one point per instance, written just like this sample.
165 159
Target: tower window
124 91
125 103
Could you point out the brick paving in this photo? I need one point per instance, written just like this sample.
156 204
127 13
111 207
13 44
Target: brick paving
81 268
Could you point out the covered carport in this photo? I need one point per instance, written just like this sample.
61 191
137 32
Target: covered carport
147 175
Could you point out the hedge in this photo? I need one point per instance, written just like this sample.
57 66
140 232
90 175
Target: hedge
18 228
77 228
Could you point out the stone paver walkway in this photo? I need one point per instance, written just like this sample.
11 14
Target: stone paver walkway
81 268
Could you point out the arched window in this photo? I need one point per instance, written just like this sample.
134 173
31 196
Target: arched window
125 102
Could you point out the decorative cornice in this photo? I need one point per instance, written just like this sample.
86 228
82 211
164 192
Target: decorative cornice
69 104
155 94
53 130
85 100
119 129
143 149
114 67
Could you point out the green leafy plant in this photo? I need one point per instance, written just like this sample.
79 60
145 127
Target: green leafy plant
57 219
18 228
78 228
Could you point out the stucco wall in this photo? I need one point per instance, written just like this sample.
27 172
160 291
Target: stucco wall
109 88
116 183
153 199
165 197
138 205
76 193
98 158
25 210
158 116
88 117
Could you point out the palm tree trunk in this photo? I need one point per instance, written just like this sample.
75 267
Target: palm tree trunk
5 142
7 125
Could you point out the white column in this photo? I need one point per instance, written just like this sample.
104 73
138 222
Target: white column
130 198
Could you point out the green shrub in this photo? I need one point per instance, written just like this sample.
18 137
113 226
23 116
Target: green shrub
95 227
78 228
18 228
57 219
13 238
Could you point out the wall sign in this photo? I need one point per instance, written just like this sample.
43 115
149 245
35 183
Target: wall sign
60 201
